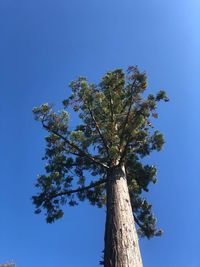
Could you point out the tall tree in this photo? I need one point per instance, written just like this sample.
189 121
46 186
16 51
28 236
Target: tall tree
101 159
7 265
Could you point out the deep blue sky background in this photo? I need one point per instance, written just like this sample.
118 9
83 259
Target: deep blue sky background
44 44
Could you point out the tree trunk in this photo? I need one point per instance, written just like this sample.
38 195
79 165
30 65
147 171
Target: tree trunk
121 240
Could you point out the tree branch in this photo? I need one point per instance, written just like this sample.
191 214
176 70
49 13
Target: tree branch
128 113
138 223
111 106
124 151
144 229
99 130
79 189
82 153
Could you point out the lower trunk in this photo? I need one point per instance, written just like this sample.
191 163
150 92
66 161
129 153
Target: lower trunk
121 241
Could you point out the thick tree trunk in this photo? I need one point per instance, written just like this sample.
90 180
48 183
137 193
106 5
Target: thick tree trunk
121 240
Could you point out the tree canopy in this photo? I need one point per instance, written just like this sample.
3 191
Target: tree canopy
115 128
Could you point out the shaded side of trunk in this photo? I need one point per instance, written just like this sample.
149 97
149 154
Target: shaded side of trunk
121 240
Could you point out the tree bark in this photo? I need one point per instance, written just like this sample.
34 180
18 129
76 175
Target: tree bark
121 240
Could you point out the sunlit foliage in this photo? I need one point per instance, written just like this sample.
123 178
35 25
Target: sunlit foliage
116 128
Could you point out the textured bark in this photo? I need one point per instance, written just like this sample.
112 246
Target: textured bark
121 240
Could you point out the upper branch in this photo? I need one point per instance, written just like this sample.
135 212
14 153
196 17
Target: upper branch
128 113
125 150
72 145
99 130
111 106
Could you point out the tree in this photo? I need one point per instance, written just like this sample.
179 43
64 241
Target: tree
101 159
7 265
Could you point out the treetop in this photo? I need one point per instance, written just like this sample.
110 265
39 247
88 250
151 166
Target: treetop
116 128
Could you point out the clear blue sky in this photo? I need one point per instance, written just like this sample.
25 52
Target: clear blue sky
44 45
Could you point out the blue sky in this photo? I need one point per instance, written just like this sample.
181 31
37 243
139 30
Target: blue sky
46 44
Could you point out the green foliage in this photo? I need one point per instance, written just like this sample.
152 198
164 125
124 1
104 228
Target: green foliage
115 129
